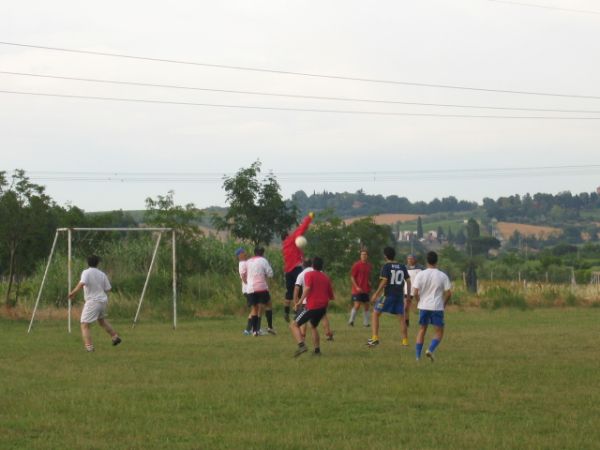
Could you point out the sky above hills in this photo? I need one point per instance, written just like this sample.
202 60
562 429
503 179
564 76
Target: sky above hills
107 154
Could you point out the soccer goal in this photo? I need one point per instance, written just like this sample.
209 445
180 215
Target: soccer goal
69 232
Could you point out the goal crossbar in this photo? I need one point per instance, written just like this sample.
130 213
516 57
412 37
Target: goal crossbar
69 268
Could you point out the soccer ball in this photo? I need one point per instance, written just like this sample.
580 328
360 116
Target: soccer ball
301 242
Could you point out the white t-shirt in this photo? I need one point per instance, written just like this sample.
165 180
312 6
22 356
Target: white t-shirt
431 284
95 285
257 271
300 279
242 269
412 272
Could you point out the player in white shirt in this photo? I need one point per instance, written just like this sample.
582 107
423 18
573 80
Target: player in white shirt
241 256
432 290
413 269
255 274
95 286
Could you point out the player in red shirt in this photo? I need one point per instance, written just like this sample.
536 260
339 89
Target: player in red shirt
318 291
292 261
360 276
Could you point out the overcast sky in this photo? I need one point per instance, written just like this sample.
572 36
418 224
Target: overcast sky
476 43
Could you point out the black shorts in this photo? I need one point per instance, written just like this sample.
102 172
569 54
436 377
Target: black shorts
312 315
299 311
259 298
290 282
362 297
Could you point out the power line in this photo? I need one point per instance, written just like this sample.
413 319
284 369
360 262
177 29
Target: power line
328 177
555 8
273 108
302 74
296 96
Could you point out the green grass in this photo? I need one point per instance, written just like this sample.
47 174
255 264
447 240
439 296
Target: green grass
502 379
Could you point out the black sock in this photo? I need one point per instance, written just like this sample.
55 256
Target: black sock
249 325
317 350
407 322
301 344
255 324
269 314
286 309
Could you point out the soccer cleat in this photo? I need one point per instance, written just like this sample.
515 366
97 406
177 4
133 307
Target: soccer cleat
330 336
404 342
367 325
430 355
373 342
351 323
301 349
272 331
247 333
262 332
116 341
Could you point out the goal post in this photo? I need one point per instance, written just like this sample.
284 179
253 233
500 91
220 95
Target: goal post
69 234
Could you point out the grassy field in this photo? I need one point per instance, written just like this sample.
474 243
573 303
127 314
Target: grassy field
502 379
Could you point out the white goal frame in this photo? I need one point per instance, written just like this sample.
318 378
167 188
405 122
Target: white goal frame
69 232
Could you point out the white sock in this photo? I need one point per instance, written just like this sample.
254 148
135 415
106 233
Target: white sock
367 317
352 315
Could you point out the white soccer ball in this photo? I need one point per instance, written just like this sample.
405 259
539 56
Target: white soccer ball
301 242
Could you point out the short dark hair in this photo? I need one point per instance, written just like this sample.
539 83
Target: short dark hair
432 258
93 260
389 253
307 263
259 251
317 263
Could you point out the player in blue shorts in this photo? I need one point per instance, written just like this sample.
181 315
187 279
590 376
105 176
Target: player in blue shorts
432 290
392 278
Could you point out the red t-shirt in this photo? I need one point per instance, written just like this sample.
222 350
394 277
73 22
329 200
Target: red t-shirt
361 272
321 290
292 255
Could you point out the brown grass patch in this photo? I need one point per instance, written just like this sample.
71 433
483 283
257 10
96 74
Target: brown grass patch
387 219
507 229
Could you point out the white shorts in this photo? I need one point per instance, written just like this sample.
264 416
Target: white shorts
93 311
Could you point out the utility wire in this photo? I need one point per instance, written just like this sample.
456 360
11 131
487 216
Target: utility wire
296 96
302 74
330 177
555 8
273 108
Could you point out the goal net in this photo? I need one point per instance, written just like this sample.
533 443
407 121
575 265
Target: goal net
69 232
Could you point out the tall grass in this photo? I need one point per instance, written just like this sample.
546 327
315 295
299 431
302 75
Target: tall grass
208 283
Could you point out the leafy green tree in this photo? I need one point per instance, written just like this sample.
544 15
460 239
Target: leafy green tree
26 228
419 228
257 211
473 231
185 220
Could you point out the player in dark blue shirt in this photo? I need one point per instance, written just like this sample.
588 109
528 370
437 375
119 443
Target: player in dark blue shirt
392 279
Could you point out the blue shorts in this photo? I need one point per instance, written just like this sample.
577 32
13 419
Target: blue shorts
435 318
392 305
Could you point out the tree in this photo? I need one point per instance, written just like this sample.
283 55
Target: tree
440 234
419 228
27 225
185 220
473 231
257 211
